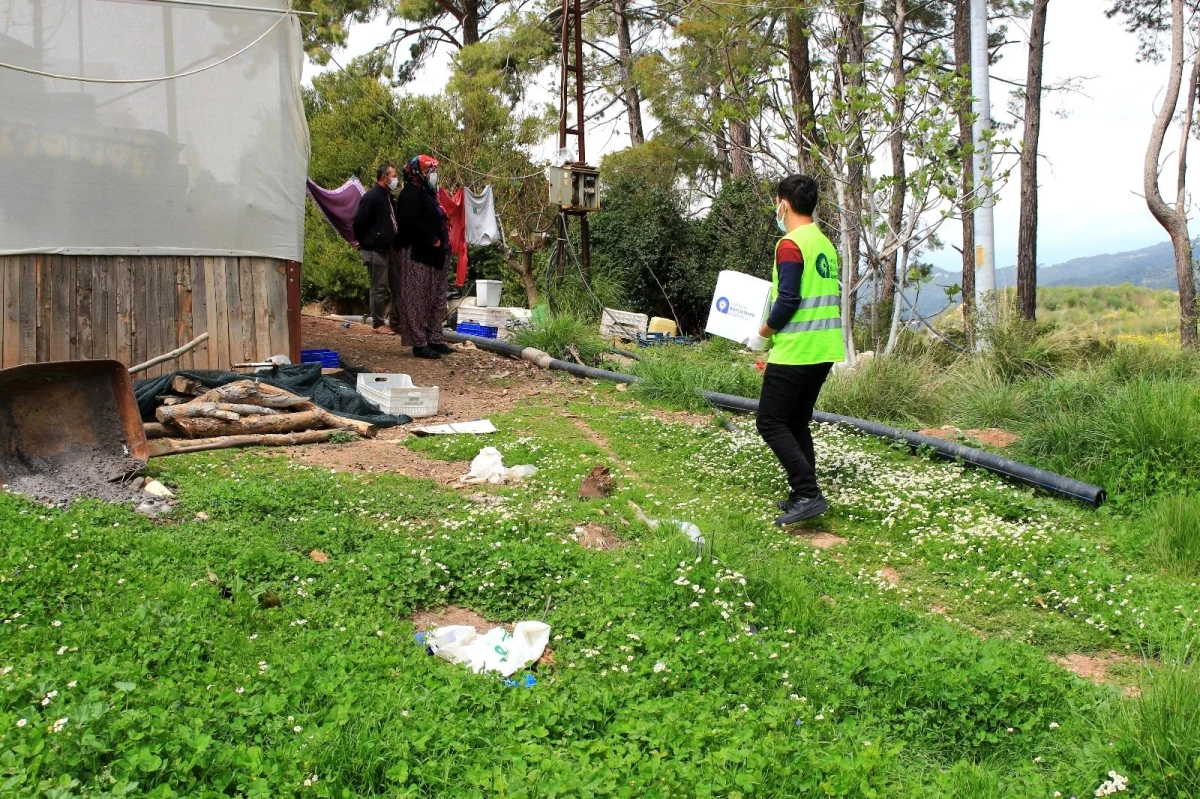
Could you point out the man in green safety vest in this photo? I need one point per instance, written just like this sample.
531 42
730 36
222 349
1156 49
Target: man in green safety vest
804 331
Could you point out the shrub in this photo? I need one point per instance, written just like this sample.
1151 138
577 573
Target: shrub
559 334
673 375
1159 729
978 397
1136 438
1173 533
332 270
887 389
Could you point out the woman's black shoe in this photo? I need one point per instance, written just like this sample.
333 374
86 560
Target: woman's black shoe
441 349
426 352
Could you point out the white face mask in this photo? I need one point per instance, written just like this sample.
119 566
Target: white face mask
433 180
780 214
393 183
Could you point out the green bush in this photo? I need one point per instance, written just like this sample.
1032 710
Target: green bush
672 375
1172 528
1159 730
887 389
559 334
978 397
1136 438
332 270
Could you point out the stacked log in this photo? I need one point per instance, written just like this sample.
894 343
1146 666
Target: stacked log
240 414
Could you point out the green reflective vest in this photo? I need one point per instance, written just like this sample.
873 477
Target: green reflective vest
814 333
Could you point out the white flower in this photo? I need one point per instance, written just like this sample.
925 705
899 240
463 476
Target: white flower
297 729
61 649
1054 725
60 724
819 717
72 683
694 605
659 666
56 623
4 671
121 581
253 636
241 689
21 722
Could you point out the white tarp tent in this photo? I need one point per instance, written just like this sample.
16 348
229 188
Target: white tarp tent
208 163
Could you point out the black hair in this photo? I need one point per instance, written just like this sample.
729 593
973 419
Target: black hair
381 171
801 193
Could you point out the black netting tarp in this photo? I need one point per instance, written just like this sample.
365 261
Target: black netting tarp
305 380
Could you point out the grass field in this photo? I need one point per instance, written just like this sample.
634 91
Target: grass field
912 659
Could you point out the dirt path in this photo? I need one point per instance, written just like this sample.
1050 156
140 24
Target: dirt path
473 384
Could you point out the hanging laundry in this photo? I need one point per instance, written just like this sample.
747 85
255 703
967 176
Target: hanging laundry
455 209
481 224
338 205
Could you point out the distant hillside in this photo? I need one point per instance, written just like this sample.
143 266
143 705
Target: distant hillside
1150 267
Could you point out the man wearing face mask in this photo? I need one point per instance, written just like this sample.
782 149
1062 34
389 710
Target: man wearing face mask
423 248
804 331
375 230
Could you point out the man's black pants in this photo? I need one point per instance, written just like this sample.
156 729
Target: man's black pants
785 410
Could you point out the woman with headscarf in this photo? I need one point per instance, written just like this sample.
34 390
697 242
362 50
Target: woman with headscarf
422 245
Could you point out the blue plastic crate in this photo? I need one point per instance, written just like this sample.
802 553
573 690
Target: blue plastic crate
327 358
472 329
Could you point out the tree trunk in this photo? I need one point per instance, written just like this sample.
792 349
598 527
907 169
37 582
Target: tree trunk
524 270
470 23
161 448
962 63
852 54
799 57
286 423
896 212
739 139
1027 235
1174 220
632 97
722 142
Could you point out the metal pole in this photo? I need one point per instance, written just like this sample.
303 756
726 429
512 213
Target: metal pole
985 234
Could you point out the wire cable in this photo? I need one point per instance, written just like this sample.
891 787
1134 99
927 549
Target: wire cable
124 81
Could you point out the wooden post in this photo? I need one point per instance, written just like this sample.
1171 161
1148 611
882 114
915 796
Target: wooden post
293 310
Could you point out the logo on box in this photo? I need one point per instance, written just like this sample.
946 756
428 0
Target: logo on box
723 304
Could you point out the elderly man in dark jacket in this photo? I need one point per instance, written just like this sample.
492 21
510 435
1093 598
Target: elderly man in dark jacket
375 231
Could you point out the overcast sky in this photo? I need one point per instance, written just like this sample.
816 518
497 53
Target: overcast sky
1091 172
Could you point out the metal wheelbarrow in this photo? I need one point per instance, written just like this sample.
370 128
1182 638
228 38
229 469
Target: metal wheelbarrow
69 417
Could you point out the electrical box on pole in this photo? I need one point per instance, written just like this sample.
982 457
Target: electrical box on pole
574 186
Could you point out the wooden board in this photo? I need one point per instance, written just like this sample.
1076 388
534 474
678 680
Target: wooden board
250 351
202 355
84 313
131 308
10 273
28 312
124 306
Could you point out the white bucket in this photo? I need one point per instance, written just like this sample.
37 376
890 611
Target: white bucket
487 293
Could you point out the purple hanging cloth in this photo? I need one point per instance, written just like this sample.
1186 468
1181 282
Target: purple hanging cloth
338 205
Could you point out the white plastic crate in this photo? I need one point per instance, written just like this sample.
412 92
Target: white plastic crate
488 317
395 394
623 324
381 381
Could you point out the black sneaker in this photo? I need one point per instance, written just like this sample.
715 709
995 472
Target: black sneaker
784 504
803 509
426 352
442 349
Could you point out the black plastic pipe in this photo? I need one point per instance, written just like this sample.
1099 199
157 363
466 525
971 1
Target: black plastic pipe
1018 472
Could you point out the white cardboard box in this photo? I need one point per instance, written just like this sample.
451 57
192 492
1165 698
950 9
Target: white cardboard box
740 304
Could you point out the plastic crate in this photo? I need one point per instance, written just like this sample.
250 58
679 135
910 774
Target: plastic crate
383 381
484 317
482 331
622 324
327 358
414 401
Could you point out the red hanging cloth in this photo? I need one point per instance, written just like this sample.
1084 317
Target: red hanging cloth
456 220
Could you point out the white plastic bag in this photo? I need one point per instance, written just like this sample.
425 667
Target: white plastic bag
495 650
488 467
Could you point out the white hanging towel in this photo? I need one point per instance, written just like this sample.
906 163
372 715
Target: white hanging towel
481 226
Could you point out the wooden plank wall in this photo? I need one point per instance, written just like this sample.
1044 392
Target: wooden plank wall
131 308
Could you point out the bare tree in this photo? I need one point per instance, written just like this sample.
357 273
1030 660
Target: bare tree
630 93
1147 18
1027 234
